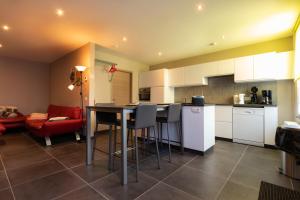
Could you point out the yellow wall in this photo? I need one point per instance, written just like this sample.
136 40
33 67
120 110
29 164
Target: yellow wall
60 73
280 45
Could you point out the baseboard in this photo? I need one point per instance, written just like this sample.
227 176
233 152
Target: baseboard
268 146
224 139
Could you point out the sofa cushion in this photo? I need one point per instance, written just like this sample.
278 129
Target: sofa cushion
2 128
38 116
18 119
58 111
35 124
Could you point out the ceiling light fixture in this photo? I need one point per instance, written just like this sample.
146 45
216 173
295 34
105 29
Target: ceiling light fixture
1 45
199 7
59 12
159 53
5 27
223 37
124 39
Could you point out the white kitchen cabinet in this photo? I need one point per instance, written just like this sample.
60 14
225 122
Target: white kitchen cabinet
224 130
162 95
224 113
193 75
271 123
198 127
243 69
210 69
223 118
176 77
154 78
226 67
264 67
284 65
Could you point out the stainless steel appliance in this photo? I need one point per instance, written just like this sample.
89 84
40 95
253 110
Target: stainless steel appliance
198 100
144 94
266 96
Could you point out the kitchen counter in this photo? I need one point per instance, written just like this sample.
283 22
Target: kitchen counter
254 105
190 104
223 104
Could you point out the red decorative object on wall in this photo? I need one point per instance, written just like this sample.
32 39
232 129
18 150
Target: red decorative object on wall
111 71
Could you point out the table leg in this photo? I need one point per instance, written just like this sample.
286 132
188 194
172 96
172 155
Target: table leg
89 151
124 148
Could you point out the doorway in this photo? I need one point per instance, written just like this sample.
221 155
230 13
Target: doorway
121 87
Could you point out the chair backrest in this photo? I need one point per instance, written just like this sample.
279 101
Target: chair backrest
174 112
145 116
105 117
64 111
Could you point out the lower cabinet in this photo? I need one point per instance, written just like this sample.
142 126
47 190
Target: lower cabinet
224 129
271 123
223 124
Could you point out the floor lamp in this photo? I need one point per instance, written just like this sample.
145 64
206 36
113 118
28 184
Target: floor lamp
78 81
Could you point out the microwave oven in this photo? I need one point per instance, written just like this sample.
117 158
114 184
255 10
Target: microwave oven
144 94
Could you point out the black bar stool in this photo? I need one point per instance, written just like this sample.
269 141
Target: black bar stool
173 116
145 118
110 119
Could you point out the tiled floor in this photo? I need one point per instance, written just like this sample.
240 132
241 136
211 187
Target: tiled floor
29 170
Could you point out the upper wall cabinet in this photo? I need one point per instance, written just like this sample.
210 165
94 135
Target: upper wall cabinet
176 77
284 65
226 67
264 67
210 69
155 78
243 69
194 75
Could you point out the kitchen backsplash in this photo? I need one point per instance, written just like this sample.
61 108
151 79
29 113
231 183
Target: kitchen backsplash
220 90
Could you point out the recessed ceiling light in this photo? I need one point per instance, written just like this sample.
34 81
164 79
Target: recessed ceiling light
59 12
5 27
124 39
223 37
199 7
159 53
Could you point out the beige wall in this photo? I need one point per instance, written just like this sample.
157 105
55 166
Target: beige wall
280 45
59 77
24 84
286 100
102 86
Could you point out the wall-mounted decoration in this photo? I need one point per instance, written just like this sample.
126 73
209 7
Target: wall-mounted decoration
112 69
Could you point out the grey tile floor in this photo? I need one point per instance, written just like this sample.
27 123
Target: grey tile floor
29 170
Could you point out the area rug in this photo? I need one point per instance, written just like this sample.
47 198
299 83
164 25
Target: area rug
270 191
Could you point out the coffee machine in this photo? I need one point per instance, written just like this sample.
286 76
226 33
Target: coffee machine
254 95
266 96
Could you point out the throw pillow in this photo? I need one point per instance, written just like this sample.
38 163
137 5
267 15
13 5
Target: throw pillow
58 119
38 116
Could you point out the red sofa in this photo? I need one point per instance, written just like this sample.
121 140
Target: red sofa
2 129
46 128
11 123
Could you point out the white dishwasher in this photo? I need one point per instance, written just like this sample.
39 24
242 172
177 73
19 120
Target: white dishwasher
248 125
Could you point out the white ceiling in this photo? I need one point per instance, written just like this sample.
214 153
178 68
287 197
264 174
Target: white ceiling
174 27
